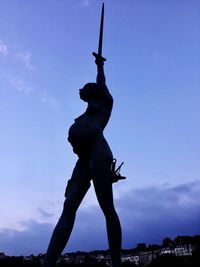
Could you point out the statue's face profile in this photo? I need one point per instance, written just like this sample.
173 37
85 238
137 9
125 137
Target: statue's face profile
88 92
83 94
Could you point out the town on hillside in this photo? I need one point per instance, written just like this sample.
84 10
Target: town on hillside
182 251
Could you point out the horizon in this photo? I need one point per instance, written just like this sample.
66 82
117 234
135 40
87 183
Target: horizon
148 247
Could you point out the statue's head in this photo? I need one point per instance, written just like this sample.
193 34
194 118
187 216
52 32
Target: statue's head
88 92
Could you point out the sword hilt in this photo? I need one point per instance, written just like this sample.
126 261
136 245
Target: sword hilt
97 56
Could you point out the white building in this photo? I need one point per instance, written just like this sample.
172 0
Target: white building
185 250
130 258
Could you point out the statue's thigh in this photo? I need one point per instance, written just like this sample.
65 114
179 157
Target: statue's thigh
79 183
100 168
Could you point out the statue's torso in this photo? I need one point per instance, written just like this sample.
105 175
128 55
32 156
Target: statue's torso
87 127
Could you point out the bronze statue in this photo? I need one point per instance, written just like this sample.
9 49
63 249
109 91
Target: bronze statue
95 162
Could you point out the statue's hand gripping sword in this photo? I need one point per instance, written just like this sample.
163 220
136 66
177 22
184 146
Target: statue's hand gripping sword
99 55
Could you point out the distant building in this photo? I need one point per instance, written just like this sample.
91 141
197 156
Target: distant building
146 257
130 258
99 257
166 251
138 258
184 250
181 250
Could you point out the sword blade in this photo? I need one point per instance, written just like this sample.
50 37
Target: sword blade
101 32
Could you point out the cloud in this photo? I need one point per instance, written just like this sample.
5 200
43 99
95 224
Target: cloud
34 239
19 76
152 213
147 214
18 82
35 236
49 100
3 49
13 73
26 58
45 214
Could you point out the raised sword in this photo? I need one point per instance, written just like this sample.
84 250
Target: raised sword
100 36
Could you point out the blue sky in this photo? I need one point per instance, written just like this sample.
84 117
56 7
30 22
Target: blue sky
152 70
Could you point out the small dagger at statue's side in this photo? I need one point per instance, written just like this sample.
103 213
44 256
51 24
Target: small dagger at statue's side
100 36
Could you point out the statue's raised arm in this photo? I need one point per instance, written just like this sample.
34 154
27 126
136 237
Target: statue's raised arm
101 79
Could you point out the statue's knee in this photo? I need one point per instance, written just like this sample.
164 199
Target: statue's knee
109 211
70 207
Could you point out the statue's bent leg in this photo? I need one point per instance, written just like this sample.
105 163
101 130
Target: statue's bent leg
79 185
100 169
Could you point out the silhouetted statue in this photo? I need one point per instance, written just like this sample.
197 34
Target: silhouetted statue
95 162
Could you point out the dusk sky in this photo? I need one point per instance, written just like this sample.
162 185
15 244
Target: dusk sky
153 72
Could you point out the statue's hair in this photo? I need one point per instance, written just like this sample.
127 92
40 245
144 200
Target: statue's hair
91 89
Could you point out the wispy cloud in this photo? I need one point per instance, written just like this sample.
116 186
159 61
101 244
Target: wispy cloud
26 58
49 100
20 84
45 214
3 49
17 72
16 75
